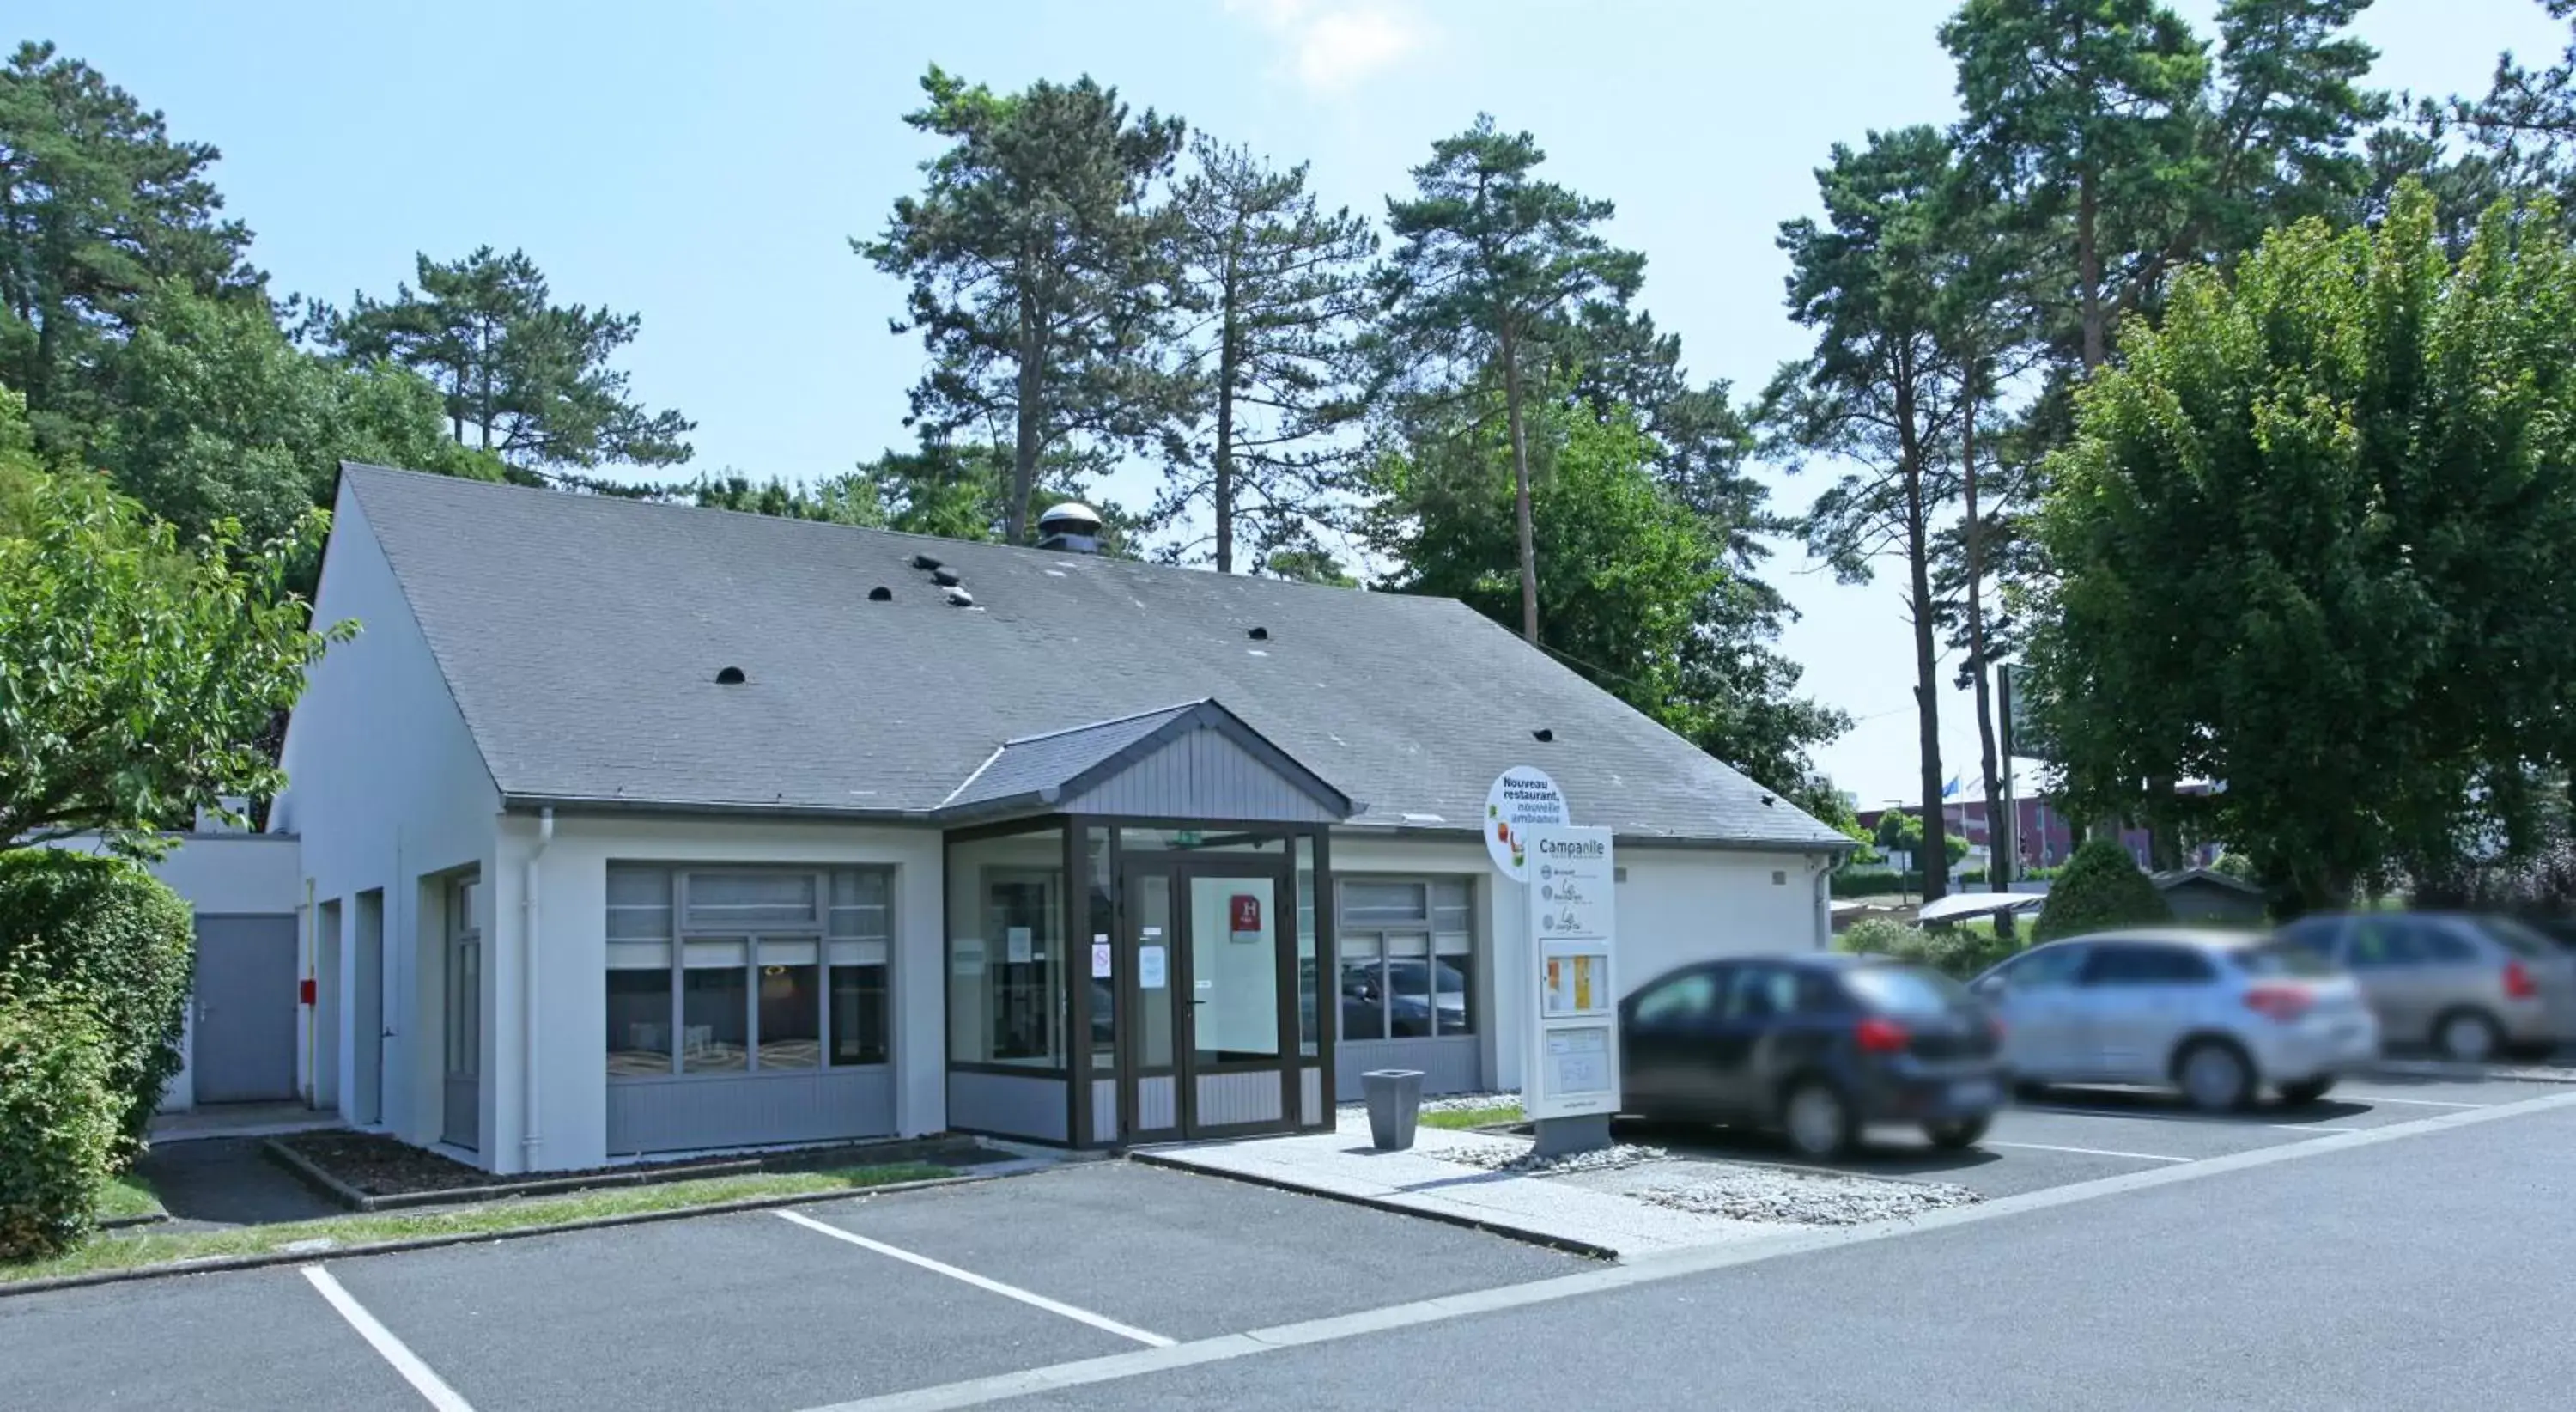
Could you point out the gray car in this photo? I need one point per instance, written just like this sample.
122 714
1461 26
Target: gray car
2471 987
2220 1016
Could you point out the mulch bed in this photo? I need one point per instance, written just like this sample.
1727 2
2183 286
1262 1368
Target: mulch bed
377 1165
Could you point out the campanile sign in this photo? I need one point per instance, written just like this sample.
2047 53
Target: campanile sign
1567 880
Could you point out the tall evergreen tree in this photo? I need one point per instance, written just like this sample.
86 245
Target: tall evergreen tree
1880 390
1491 268
1038 265
1278 285
525 378
99 206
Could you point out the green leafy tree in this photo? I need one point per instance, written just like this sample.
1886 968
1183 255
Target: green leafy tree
1039 273
2308 542
1490 269
99 206
2100 889
963 491
1880 391
1899 831
1277 285
530 380
138 676
839 500
213 415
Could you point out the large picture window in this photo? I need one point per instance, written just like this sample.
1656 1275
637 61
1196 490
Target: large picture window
745 970
1408 958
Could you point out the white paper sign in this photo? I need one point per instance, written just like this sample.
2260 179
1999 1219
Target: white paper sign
1018 944
966 956
1149 968
1520 799
1100 958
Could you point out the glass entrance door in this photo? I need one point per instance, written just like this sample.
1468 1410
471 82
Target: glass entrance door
1210 980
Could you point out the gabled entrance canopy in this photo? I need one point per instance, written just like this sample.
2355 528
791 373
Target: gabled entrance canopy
1196 760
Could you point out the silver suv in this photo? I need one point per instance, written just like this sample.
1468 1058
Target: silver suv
2217 1015
2469 986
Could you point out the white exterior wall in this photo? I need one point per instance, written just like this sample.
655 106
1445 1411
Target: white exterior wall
386 789
219 875
1675 905
571 1016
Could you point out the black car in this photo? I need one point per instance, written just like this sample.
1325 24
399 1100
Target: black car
1813 1045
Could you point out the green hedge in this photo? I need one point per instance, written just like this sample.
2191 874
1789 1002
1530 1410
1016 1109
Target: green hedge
2099 889
104 933
58 1133
1865 883
1958 952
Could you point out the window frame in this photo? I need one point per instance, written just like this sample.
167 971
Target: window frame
817 930
1380 934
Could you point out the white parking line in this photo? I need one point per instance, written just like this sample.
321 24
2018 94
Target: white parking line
428 1384
2313 1128
2086 1151
1040 1301
2411 1102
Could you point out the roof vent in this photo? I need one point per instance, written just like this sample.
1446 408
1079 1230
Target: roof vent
1259 634
730 676
1543 735
960 598
881 594
924 561
1072 527
945 578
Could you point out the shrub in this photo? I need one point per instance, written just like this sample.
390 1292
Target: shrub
2100 888
1957 952
58 1129
1865 882
105 934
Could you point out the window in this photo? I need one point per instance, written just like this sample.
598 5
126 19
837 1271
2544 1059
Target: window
1679 1000
745 971
2137 963
1761 993
2043 969
1408 958
1905 990
1008 959
2284 957
2384 943
2520 938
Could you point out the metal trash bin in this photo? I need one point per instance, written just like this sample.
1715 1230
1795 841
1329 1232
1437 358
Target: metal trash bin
1394 1103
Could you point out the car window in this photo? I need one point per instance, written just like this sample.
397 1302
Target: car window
2386 943
2147 963
2047 967
1762 993
1905 990
2318 934
2283 957
2522 940
2445 945
1681 998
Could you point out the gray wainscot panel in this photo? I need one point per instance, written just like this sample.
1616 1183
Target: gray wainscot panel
1104 1110
1157 1104
673 1115
1009 1104
1227 1099
1450 1064
1310 1104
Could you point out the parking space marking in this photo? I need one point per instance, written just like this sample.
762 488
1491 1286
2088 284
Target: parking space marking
1038 1301
2412 1102
2313 1128
423 1381
2088 1151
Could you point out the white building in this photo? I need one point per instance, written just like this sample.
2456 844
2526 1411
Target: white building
633 828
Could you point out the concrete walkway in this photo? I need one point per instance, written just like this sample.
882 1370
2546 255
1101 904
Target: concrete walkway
1342 1165
225 1182
239 1120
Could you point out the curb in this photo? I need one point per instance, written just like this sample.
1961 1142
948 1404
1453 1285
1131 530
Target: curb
1523 1234
218 1263
320 1179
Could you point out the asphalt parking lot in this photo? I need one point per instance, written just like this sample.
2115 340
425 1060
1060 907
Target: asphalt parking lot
2079 1134
856 1298
756 1309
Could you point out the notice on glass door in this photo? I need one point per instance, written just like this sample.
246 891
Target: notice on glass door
1149 968
1100 958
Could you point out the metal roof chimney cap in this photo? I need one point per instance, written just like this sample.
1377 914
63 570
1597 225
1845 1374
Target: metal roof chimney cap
1071 526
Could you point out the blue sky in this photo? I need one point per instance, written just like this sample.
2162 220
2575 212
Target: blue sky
704 165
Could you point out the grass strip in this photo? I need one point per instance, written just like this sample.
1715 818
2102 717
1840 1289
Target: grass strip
127 1197
147 1246
1472 1117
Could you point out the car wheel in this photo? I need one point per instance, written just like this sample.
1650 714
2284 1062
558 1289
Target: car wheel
2214 1076
1818 1121
1957 1133
2307 1091
2467 1036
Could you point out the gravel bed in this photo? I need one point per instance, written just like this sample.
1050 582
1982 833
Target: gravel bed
1520 1159
1797 1198
1454 1103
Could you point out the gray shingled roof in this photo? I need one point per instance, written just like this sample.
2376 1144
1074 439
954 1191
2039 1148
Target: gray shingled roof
581 636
